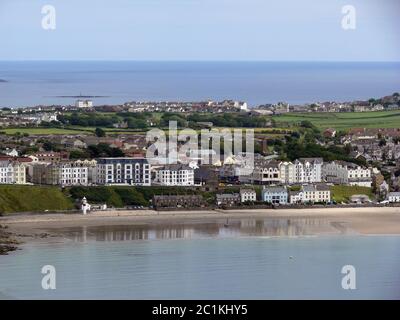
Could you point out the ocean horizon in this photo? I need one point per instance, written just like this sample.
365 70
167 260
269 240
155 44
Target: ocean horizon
30 83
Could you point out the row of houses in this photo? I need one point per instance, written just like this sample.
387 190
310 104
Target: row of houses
304 170
52 170
278 195
309 193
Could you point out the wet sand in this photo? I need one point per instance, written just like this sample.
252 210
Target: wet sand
368 221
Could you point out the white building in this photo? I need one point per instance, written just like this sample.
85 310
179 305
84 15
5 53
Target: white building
247 195
6 172
287 172
275 195
342 172
11 153
174 175
265 172
123 171
315 193
75 173
12 172
359 176
394 196
84 103
308 170
296 197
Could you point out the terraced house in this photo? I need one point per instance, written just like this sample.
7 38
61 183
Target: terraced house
12 172
73 173
313 193
341 172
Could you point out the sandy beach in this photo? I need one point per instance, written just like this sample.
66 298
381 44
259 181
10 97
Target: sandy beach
366 220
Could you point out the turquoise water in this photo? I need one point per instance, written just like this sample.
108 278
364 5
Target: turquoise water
254 82
202 263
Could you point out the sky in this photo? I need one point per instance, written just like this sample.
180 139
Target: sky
229 30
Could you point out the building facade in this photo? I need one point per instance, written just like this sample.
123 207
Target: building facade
265 172
78 173
341 172
287 172
275 195
308 170
394 196
44 173
247 195
227 199
178 201
312 193
12 172
174 175
123 171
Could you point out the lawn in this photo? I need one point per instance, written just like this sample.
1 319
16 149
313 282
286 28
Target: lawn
343 193
344 120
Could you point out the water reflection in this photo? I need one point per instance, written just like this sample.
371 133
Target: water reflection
216 229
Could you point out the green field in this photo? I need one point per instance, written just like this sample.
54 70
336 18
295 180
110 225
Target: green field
45 131
15 198
342 121
343 193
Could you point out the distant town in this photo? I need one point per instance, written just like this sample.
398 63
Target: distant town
302 155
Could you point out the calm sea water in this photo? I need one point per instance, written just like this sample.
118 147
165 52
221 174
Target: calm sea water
206 261
32 83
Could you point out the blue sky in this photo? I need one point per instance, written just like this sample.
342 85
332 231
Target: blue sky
305 30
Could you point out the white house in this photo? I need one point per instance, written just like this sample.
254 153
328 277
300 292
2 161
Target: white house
275 195
316 193
248 195
296 197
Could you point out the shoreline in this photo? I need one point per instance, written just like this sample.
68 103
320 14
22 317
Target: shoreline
26 228
363 218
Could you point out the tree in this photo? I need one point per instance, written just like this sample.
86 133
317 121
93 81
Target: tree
104 150
99 132
49 146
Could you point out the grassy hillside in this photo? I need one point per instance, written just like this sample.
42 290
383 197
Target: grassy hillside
32 198
117 196
344 120
343 193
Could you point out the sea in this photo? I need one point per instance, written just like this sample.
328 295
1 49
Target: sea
30 83
239 259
